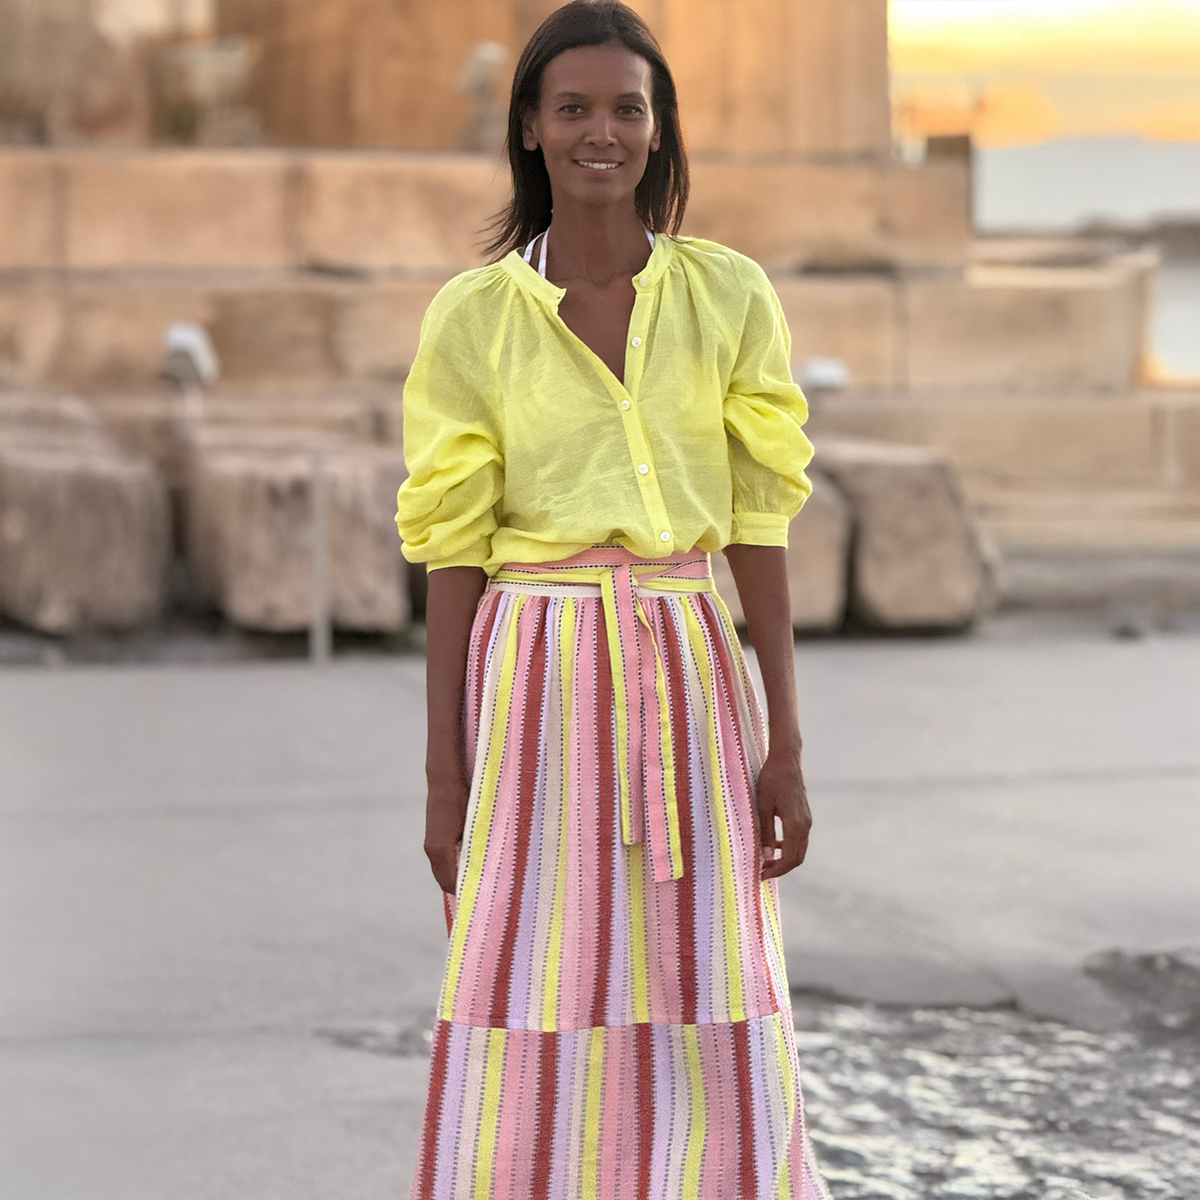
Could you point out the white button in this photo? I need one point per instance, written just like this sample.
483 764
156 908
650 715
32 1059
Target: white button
636 341
624 403
664 536
644 281
642 468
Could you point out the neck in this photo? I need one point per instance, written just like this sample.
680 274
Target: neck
595 243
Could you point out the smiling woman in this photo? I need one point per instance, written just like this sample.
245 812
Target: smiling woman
588 418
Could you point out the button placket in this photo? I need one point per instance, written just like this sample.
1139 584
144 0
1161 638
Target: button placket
635 433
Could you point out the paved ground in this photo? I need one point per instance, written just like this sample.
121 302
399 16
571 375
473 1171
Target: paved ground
213 898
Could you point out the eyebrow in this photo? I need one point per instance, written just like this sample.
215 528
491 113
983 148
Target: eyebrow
583 96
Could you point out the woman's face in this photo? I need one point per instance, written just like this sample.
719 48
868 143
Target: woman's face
594 123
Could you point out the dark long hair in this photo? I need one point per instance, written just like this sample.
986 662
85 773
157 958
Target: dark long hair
662 194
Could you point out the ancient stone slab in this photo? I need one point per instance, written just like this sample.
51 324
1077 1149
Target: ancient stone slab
38 413
848 317
1026 327
177 208
84 532
422 212
376 327
817 562
917 560
792 214
28 211
32 319
250 519
283 333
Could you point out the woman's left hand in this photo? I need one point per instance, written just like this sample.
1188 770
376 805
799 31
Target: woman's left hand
781 793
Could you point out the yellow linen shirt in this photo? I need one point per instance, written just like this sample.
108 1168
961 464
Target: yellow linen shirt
522 446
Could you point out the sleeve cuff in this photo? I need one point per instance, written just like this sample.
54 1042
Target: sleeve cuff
471 556
759 529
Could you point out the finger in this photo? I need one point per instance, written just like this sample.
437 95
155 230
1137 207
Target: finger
795 847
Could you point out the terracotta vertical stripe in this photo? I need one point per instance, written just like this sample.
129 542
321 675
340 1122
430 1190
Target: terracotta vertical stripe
433 1111
747 1179
547 1091
645 1110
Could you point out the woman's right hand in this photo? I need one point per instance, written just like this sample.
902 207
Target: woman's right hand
445 819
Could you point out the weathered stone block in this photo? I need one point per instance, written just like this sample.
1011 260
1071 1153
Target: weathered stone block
917 560
177 208
282 333
422 212
112 331
32 319
792 214
84 533
376 328
251 520
28 208
850 317
818 559
1027 327
39 414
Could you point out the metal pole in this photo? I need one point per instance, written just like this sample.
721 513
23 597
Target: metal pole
320 637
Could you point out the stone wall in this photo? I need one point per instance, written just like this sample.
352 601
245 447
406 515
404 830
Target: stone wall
422 213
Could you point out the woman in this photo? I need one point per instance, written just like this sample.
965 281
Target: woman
588 417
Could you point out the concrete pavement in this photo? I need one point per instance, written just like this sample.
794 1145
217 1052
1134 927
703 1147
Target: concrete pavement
200 868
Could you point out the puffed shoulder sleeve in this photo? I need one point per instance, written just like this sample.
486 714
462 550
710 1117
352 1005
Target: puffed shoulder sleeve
446 508
764 411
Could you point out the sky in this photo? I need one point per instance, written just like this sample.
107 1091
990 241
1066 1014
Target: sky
1019 72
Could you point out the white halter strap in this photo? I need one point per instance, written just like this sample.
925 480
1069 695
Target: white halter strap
544 235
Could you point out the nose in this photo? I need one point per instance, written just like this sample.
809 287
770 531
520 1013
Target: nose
599 130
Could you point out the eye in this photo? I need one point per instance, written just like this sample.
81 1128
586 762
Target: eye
571 108
634 109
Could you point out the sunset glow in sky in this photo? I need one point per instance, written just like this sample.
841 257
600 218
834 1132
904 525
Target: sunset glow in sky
1030 70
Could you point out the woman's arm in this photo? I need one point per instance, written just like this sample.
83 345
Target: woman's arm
760 573
450 606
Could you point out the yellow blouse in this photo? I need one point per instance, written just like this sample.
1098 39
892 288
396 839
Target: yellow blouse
522 446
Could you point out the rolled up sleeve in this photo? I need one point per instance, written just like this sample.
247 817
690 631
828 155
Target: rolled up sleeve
446 510
764 411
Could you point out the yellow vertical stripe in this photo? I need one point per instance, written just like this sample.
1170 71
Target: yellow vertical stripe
489 1117
471 871
591 1114
729 922
699 1115
637 931
566 665
783 1184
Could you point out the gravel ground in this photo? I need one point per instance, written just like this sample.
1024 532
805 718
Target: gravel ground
957 1104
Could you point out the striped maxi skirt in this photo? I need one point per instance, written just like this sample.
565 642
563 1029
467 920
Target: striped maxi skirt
614 1019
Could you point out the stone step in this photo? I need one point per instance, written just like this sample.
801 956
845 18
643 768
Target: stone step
1115 521
1050 441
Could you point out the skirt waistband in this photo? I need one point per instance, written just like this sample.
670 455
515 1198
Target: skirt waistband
645 761
584 574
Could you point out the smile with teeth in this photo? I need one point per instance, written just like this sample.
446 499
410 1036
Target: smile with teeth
593 165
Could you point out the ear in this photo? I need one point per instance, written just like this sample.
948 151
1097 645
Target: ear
656 136
528 135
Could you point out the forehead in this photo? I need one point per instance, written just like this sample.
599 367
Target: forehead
597 70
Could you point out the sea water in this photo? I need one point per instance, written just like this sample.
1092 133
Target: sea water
1065 185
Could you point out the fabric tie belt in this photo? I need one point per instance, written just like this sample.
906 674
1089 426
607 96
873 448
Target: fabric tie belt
645 759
